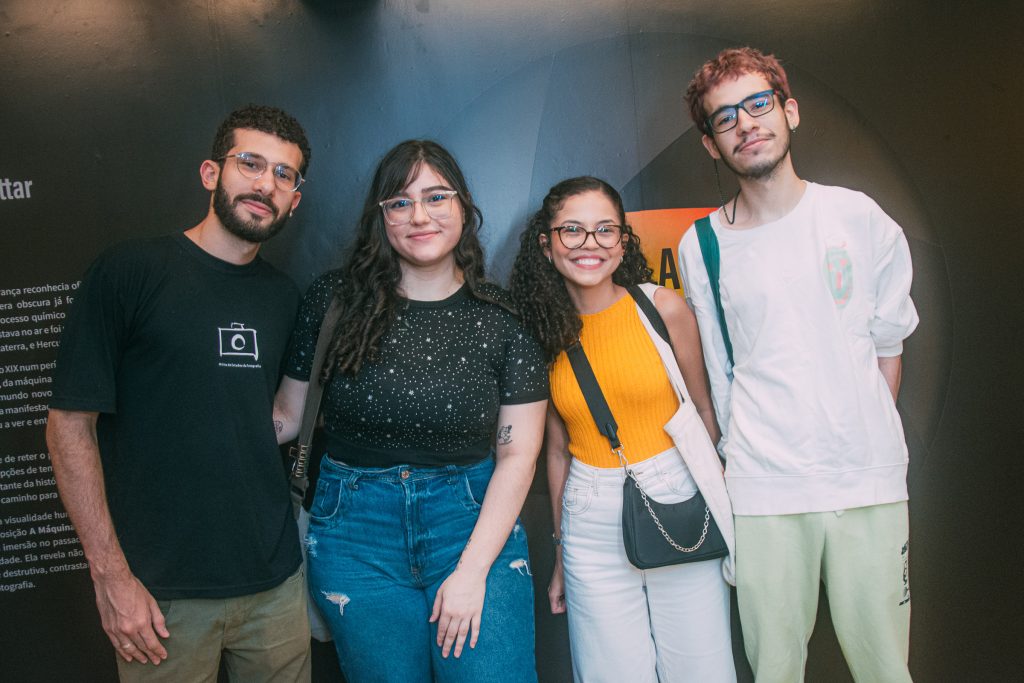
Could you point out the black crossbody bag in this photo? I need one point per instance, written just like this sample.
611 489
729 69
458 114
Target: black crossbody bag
654 534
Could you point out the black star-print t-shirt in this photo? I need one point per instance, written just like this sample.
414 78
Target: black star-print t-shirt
432 396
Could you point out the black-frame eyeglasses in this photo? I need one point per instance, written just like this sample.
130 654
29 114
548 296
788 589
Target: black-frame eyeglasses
573 236
725 118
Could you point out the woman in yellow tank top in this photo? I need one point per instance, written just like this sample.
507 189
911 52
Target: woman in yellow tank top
576 258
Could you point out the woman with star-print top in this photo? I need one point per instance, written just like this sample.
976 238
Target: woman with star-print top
434 408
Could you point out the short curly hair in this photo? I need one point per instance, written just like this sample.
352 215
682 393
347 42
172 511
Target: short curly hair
266 120
729 64
538 290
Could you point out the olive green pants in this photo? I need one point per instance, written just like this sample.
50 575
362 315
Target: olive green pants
860 555
262 638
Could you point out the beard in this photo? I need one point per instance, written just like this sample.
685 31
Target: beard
760 169
249 230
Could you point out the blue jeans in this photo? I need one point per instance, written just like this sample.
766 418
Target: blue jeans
380 544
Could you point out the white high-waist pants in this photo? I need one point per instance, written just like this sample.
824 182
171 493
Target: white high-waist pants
669 624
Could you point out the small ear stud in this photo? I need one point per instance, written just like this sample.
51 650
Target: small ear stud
792 129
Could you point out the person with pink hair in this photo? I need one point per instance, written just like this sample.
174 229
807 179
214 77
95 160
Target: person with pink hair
802 296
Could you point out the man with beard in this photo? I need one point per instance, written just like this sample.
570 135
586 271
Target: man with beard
161 434
803 351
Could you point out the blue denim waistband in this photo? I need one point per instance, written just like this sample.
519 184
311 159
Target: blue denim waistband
400 473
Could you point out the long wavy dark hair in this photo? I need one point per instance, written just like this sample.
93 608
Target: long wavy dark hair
538 290
372 270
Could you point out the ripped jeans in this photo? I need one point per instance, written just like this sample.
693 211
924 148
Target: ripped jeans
380 544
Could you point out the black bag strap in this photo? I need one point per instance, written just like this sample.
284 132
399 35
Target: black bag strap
649 309
712 261
589 385
592 393
299 480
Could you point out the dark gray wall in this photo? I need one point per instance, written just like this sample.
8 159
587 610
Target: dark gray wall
110 106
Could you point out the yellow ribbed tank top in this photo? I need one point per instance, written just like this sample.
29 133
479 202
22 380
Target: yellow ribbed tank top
634 383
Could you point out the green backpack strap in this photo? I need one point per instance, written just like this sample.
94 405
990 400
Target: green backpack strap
709 251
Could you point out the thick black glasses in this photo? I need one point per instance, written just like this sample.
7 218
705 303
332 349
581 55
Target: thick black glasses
253 166
575 236
726 118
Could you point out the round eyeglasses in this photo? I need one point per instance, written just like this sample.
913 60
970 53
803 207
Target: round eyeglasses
400 210
575 236
725 118
253 166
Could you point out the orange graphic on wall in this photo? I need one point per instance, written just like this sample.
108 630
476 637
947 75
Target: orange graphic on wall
660 231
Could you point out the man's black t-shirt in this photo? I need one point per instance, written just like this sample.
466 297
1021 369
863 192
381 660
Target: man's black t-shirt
432 396
181 353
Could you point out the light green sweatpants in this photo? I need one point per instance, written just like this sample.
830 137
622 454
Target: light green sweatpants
861 557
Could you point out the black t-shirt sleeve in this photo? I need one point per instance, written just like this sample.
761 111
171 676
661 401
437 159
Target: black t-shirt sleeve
93 338
299 362
524 375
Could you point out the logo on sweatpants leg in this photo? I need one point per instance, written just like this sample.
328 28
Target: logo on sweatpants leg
905 553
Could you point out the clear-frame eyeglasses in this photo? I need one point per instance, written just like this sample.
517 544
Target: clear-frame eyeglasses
400 210
253 166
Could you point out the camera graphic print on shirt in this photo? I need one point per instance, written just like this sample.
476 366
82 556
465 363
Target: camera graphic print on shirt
236 344
838 273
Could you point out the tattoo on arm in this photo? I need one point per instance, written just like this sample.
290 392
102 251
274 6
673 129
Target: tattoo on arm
464 550
504 435
278 426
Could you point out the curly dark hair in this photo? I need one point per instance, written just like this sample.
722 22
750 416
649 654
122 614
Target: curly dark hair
538 290
266 120
371 274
